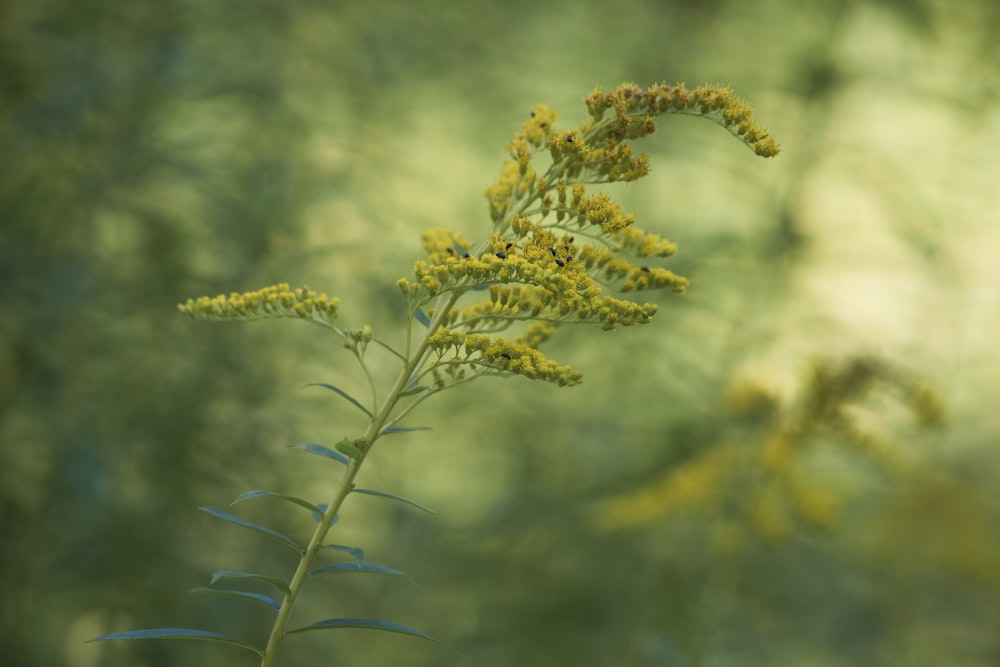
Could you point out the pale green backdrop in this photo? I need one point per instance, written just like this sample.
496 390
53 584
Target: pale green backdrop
152 151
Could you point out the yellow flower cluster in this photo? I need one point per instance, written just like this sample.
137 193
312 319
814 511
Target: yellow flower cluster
635 108
599 150
536 129
534 266
551 282
634 277
554 252
516 177
643 244
763 481
537 333
601 211
440 244
502 355
269 302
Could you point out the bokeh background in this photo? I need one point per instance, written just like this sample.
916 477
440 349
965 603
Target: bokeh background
762 476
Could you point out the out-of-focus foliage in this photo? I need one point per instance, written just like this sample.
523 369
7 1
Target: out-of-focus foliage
154 151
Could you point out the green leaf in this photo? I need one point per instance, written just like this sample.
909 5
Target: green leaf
258 597
292 499
344 394
401 429
369 624
177 633
390 349
355 552
277 582
414 390
320 450
393 496
353 566
319 517
273 534
348 449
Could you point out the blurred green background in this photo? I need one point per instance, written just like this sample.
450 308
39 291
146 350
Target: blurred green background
152 151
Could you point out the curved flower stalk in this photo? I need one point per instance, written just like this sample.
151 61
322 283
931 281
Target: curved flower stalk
558 253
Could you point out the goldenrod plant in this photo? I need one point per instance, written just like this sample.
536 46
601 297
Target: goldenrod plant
759 477
557 254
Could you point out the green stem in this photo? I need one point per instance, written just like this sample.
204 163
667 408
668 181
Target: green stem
305 564
346 485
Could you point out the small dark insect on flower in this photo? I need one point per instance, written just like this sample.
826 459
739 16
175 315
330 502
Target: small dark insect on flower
465 256
501 255
553 251
510 245
505 355
645 268
449 251
560 262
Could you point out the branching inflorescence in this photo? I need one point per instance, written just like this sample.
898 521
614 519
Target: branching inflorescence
557 254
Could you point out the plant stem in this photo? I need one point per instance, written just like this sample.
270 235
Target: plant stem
305 563
344 488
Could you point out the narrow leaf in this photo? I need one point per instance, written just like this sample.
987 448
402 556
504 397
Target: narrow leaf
401 429
414 390
273 534
344 394
320 450
177 633
353 566
393 496
322 510
292 499
266 599
277 582
356 553
390 349
422 317
369 624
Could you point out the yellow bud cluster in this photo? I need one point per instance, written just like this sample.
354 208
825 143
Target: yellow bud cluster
634 108
268 302
517 177
361 336
467 272
536 270
617 162
611 312
601 211
514 177
538 127
644 244
439 244
634 278
537 333
497 354
570 143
